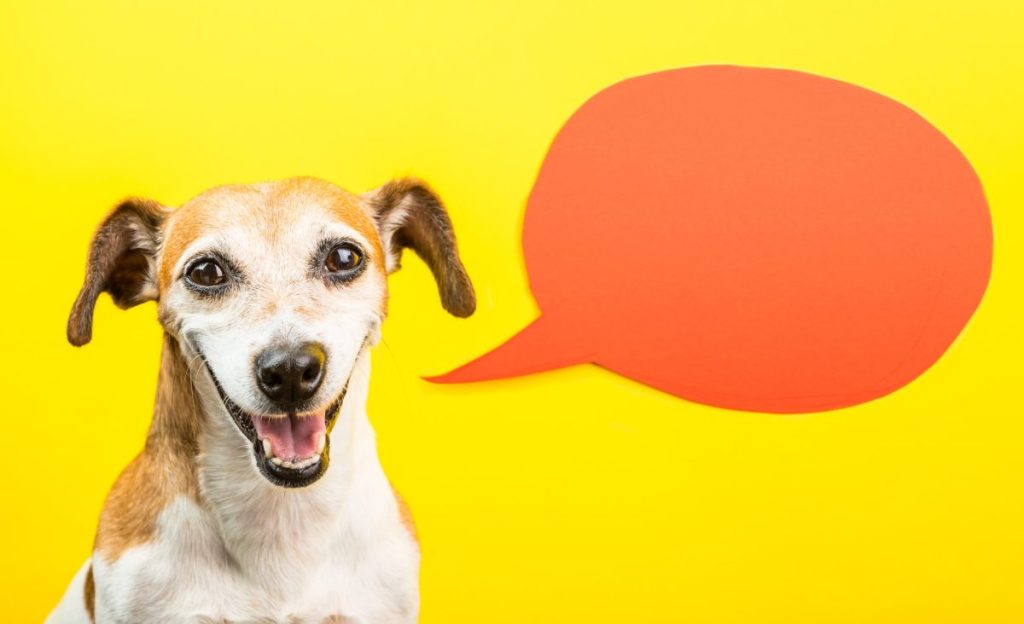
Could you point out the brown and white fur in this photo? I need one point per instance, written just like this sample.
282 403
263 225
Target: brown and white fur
194 530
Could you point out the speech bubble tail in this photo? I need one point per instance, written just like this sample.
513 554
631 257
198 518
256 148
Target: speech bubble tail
538 347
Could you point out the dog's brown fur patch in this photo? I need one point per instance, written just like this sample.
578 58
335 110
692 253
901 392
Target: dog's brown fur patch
406 515
163 470
90 595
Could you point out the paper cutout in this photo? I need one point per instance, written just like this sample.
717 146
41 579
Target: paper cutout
749 238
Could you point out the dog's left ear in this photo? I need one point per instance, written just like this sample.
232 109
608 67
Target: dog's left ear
409 214
122 262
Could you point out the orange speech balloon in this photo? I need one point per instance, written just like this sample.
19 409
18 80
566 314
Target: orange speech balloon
749 238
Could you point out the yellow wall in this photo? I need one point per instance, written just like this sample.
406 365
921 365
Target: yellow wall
569 497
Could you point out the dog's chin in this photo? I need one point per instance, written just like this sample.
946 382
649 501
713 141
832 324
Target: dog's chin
284 459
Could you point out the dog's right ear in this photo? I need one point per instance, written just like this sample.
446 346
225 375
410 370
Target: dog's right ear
122 262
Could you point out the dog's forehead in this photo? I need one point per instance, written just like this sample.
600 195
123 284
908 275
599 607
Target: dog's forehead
272 213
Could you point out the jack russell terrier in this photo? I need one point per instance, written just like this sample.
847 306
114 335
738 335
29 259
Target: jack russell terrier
259 496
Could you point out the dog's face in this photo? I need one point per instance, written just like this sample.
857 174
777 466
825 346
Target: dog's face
277 289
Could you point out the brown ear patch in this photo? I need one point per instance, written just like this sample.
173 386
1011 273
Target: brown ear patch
120 262
409 214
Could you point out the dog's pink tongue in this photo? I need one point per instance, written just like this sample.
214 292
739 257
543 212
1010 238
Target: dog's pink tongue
293 437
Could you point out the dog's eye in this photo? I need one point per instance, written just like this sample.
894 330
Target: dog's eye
343 258
206 273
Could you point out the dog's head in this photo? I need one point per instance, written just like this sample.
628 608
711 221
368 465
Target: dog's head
276 289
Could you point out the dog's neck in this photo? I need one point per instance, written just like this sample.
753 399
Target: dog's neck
176 414
261 527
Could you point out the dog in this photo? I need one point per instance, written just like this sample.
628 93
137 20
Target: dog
259 495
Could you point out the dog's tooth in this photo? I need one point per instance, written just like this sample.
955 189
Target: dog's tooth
321 441
268 448
277 460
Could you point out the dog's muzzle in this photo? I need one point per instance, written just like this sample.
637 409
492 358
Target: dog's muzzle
293 449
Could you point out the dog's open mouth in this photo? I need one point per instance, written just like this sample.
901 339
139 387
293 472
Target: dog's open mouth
291 450
293 442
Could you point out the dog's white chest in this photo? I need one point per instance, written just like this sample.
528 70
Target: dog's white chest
188 576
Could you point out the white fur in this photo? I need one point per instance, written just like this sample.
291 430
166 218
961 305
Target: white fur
71 609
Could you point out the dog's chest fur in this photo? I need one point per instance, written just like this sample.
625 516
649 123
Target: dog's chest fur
289 559
235 549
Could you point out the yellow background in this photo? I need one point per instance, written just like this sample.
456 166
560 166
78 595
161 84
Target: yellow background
569 497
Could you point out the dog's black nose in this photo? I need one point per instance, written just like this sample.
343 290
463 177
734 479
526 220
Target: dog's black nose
290 375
